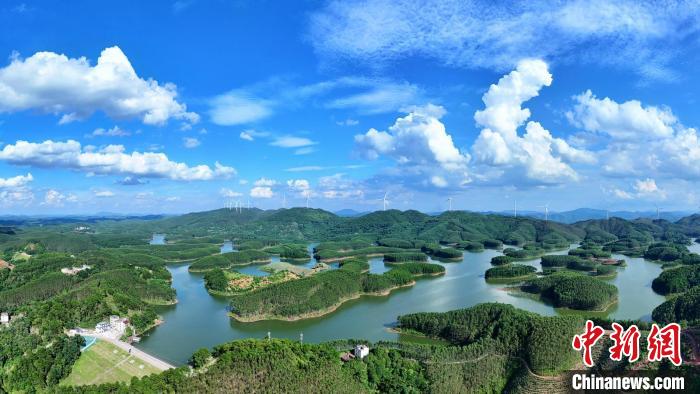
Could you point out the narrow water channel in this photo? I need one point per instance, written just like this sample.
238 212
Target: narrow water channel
201 320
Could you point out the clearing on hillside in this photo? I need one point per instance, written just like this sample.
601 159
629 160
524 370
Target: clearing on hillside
104 362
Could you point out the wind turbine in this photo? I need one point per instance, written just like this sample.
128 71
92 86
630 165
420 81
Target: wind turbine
284 200
449 200
384 200
515 209
607 214
546 211
658 212
307 198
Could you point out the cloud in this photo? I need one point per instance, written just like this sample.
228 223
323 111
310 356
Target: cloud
257 102
237 107
16 182
245 135
261 192
131 181
73 89
638 140
265 182
537 155
16 190
638 35
304 151
438 181
111 159
381 98
304 168
228 193
337 186
54 198
289 141
115 131
348 122
419 138
641 189
103 193
190 142
298 185
172 199
627 121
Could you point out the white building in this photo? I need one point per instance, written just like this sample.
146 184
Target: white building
102 326
5 318
117 323
361 351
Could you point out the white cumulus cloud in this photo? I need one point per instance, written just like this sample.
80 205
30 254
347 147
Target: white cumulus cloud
111 159
261 192
74 89
537 154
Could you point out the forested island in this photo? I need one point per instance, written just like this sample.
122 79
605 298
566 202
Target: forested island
54 278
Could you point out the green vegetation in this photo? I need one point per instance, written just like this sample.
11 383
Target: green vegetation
440 252
228 283
36 354
543 342
396 243
493 243
558 260
200 358
327 254
289 251
677 280
252 366
575 291
684 308
510 271
128 277
323 292
501 260
228 260
471 246
403 257
34 360
665 251
106 363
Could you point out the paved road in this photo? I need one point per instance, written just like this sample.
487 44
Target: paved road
156 362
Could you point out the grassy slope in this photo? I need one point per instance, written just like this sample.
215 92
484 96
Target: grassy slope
106 363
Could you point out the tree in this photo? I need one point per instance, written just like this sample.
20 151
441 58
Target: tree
200 357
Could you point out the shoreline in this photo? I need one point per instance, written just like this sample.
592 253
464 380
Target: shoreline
319 313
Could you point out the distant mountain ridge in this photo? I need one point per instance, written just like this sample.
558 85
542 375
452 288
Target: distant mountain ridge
581 214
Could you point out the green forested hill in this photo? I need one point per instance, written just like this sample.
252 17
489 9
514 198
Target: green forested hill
316 224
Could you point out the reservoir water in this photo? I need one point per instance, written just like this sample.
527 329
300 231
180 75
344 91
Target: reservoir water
227 247
200 319
158 239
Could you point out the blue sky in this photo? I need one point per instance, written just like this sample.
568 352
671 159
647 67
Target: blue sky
179 106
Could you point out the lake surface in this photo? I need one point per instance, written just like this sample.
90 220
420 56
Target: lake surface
227 247
158 239
201 320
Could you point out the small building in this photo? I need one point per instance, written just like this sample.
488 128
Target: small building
102 326
75 270
361 351
5 318
117 323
